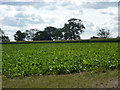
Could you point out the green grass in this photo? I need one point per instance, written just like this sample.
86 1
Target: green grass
95 79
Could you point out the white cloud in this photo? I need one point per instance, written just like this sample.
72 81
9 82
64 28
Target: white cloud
27 15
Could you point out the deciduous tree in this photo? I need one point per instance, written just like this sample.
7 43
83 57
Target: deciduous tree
41 35
73 29
103 33
30 33
19 36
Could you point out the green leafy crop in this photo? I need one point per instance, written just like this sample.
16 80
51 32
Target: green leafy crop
57 58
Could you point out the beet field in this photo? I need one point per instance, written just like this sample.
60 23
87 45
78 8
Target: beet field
57 58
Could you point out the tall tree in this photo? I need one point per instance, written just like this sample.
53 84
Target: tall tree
41 35
58 35
3 37
103 33
73 29
19 36
30 34
1 32
51 31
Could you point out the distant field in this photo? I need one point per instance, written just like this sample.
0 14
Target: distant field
57 58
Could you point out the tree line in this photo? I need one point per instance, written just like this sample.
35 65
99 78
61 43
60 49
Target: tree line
70 31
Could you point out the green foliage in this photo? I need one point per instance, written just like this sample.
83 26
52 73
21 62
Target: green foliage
3 37
30 34
57 58
19 36
103 33
54 33
42 35
73 29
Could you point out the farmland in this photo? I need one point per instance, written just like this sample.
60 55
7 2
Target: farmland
57 58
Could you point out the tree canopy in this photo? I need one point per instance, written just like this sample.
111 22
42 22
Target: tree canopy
73 29
103 33
70 31
42 35
1 32
3 37
30 34
19 36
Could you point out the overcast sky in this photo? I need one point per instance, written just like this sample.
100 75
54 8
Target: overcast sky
27 14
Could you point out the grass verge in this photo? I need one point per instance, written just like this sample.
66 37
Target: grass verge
94 79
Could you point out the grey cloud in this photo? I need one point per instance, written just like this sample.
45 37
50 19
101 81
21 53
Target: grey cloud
37 5
40 4
110 13
11 21
51 6
21 0
32 17
21 20
20 9
103 13
100 5
116 18
119 3
89 24
64 3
